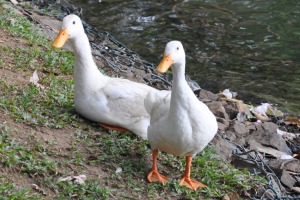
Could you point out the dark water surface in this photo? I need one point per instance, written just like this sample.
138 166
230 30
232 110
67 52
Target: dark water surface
251 47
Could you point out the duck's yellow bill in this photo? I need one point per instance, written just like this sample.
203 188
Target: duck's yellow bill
61 38
164 64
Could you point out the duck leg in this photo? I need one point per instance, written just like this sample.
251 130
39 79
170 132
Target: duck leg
154 175
186 180
114 128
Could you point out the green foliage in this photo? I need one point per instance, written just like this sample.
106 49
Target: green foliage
8 191
89 190
51 107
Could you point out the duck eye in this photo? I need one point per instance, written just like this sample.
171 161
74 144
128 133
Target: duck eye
73 22
177 48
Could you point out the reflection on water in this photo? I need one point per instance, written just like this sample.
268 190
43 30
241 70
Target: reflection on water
249 46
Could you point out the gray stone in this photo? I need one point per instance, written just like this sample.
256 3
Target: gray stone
240 128
223 147
204 94
230 135
221 127
223 124
293 165
232 112
287 179
270 126
241 141
296 189
217 109
251 128
258 127
268 139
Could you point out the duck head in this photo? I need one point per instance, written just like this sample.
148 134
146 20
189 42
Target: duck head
70 28
174 55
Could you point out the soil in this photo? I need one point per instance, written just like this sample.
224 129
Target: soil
27 135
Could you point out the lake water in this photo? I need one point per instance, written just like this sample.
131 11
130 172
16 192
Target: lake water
251 47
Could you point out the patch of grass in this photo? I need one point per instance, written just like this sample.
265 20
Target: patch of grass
132 155
89 190
30 160
54 106
9 191
36 163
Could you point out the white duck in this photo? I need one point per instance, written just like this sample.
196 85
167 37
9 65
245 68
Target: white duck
113 102
182 126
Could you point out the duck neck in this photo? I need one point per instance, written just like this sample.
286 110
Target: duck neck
82 50
179 89
178 77
86 72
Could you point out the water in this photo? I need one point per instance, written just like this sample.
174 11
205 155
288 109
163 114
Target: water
250 47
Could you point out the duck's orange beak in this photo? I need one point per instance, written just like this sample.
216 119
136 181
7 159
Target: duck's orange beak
61 38
164 64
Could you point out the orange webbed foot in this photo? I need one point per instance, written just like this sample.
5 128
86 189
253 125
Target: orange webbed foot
155 176
192 184
114 128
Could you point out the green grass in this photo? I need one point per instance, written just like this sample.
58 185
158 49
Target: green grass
53 107
9 191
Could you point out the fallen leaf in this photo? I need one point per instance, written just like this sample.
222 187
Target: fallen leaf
39 189
292 120
80 179
119 170
34 80
226 197
65 179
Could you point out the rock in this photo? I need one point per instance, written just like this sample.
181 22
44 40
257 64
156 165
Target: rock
270 126
287 179
233 109
221 127
217 109
296 189
223 124
232 112
293 165
244 163
240 128
241 141
268 139
258 126
204 94
279 165
251 128
223 147
230 135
